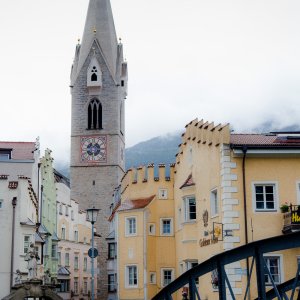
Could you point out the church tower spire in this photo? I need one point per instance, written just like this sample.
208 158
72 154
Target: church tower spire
99 89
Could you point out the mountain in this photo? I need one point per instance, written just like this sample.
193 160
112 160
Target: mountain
161 149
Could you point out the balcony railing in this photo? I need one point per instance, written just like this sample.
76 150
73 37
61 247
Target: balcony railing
291 219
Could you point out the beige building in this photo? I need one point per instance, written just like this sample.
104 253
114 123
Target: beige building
145 235
74 232
228 190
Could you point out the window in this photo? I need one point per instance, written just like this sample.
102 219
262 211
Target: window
111 283
63 233
85 288
67 210
76 286
67 259
214 203
190 208
76 263
85 264
94 76
166 226
111 251
84 240
5 154
190 265
167 276
151 229
64 285
95 114
1 203
264 195
26 243
163 194
152 278
131 276
273 264
60 209
130 226
76 236
54 251
59 258
72 215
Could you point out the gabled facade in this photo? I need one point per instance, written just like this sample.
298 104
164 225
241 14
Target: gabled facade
49 214
18 210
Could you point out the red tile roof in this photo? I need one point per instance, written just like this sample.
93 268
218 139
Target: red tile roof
20 150
265 140
188 182
135 204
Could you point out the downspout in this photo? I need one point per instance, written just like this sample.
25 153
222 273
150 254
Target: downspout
41 221
245 214
14 204
38 195
145 256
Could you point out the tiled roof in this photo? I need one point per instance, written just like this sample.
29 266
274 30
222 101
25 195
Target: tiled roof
135 204
265 140
20 150
188 182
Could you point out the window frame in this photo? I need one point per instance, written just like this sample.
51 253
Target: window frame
67 261
24 242
275 195
111 284
127 226
1 204
187 210
85 264
214 202
112 253
162 272
127 277
162 233
76 262
279 257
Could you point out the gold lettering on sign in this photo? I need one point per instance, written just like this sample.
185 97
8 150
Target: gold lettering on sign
206 242
295 218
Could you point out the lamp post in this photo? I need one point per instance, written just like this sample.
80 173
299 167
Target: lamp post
92 214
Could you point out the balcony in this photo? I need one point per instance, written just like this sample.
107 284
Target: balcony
291 219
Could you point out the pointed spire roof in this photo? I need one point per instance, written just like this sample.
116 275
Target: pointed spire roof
99 26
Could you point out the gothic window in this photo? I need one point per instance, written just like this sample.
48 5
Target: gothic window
95 115
94 76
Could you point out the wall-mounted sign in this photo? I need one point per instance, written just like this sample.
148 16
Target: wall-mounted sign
206 242
205 218
218 231
296 217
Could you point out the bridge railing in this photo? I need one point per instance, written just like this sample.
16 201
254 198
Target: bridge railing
254 251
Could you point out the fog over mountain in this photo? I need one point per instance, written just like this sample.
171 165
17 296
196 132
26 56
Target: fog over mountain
162 149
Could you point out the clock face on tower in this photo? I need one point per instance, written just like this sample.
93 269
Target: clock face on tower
93 149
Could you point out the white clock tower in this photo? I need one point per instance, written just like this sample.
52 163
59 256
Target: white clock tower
98 88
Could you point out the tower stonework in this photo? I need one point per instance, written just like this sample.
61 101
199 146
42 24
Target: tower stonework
98 88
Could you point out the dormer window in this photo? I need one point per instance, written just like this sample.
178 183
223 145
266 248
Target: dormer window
94 76
5 154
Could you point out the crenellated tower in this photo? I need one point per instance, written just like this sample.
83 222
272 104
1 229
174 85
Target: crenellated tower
98 88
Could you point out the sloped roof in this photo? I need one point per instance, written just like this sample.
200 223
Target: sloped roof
63 271
265 140
135 204
20 150
188 182
61 178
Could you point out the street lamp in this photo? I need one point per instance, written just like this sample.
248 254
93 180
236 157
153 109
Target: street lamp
92 214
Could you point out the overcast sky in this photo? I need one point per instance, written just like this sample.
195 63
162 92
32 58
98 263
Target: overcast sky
220 60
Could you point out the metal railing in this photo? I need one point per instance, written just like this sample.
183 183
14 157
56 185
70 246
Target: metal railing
254 252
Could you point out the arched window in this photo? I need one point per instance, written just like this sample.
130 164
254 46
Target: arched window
94 76
95 114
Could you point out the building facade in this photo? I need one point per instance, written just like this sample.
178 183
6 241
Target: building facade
74 232
18 211
145 237
98 88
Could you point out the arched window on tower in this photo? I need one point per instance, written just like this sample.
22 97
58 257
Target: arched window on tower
95 114
94 76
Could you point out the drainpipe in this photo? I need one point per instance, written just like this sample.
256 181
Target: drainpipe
145 255
14 204
245 214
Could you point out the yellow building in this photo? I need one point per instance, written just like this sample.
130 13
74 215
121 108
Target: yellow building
225 190
228 190
145 237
